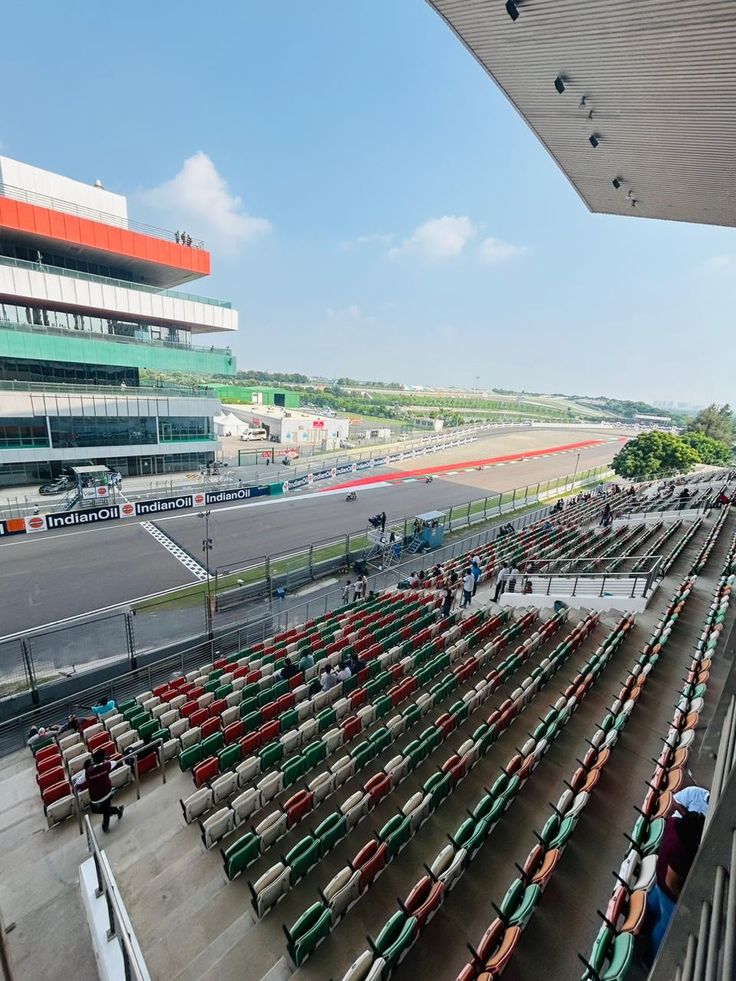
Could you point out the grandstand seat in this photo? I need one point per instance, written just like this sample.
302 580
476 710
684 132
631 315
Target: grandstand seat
366 967
271 828
377 787
241 854
369 861
308 932
196 804
270 887
248 770
205 770
322 786
424 900
302 857
59 810
448 866
395 939
218 825
224 786
330 831
298 806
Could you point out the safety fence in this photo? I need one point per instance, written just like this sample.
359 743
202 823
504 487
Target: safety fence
145 644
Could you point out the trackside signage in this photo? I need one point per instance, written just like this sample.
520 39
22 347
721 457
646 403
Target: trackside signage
236 494
90 516
162 504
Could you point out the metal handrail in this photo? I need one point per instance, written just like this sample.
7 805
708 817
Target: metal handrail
111 281
69 208
148 391
107 887
114 338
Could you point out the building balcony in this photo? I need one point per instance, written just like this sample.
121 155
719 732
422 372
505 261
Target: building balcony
131 392
150 254
36 284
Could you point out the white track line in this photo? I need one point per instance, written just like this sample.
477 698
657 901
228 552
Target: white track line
186 560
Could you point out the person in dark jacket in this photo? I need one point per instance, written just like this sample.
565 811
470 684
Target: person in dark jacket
97 781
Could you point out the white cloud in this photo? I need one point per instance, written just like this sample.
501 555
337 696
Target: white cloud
199 201
375 238
494 250
350 312
720 262
438 238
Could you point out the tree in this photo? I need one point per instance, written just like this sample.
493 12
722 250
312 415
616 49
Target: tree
711 451
715 421
654 454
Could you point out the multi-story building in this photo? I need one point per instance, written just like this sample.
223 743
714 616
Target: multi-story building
86 302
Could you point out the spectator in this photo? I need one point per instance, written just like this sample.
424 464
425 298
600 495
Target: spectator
357 590
413 580
356 663
383 521
677 852
448 600
347 591
38 734
97 781
475 570
189 241
468 583
306 661
177 236
328 680
288 671
344 672
691 799
501 577
513 573
527 586
364 586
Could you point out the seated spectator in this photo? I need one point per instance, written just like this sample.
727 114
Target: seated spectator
344 672
676 855
413 580
288 671
691 799
306 661
37 734
329 679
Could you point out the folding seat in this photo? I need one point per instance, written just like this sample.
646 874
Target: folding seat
438 785
59 810
308 932
211 733
302 857
99 739
316 752
224 786
362 754
395 939
343 769
378 787
78 763
366 967
205 770
121 775
341 892
397 769
351 727
332 739
321 787
271 755
448 866
293 770
424 900
380 739
307 730
271 828
248 770
330 831
417 809
298 806
55 792
519 903
369 861
229 715
396 832
269 888
355 807
49 777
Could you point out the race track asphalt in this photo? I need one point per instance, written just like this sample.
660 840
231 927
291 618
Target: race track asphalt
51 577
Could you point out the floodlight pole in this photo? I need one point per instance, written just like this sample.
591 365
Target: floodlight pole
575 473
207 548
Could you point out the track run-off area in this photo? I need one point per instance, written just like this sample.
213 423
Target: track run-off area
50 577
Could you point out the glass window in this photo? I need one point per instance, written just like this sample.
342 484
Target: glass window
177 429
23 432
102 430
66 373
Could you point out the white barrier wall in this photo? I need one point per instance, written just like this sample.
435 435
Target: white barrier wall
621 603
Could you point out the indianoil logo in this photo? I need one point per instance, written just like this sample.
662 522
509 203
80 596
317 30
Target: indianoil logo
127 510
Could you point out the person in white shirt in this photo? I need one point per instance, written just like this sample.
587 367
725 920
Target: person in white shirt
501 577
468 584
328 680
691 799
344 672
513 574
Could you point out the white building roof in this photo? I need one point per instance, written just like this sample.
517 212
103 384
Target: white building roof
658 77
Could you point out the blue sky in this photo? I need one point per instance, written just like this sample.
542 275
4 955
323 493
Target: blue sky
374 206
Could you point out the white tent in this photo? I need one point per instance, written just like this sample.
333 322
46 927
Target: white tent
228 424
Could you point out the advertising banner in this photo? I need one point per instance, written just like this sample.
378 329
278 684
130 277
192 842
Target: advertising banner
89 516
88 493
36 522
13 526
235 494
345 468
363 464
322 474
393 457
299 482
161 504
379 461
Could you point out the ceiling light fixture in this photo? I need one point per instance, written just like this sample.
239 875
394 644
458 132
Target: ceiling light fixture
560 84
593 140
512 10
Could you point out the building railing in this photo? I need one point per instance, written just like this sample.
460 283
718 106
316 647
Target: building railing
134 967
80 211
68 333
700 942
111 281
127 391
